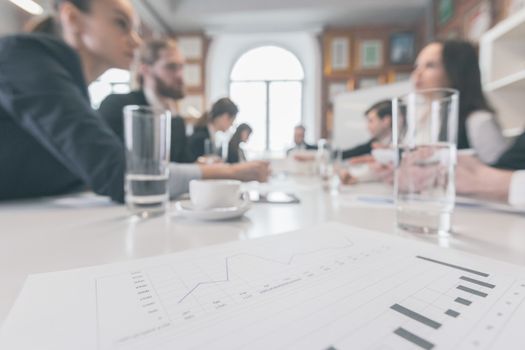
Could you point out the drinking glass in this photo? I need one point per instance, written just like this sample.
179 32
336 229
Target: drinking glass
324 159
147 133
329 162
424 134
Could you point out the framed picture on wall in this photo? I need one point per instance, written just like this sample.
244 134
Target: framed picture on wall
445 11
402 48
340 53
337 54
370 53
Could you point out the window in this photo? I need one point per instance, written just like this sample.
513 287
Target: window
267 85
113 81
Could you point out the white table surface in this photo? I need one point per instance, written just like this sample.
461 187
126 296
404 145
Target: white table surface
75 231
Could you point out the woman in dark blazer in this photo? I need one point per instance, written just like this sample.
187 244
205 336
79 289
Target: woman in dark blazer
51 141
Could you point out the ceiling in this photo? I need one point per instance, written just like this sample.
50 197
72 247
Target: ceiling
275 15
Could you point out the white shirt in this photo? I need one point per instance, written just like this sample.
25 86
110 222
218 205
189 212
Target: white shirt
485 137
517 189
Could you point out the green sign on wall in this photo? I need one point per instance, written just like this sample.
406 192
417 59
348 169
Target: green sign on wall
446 10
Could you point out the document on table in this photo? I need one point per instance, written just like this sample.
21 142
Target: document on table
329 287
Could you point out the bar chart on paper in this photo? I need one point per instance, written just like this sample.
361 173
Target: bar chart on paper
330 287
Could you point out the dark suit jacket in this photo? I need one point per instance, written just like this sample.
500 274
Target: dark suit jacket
360 150
51 141
514 157
111 110
197 140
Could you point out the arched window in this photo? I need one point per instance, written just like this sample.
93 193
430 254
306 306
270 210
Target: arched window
113 81
267 85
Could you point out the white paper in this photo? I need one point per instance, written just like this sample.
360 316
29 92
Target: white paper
332 286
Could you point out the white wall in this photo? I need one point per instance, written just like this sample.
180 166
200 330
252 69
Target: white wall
349 112
9 18
225 49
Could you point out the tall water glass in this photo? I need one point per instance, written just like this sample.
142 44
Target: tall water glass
424 133
324 159
147 133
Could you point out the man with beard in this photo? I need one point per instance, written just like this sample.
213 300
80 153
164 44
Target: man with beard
162 84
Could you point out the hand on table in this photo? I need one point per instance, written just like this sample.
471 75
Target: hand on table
252 171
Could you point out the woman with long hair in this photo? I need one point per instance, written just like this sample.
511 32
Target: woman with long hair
235 152
454 64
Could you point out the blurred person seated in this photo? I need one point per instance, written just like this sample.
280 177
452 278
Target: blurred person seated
235 151
160 76
299 141
362 158
379 124
220 118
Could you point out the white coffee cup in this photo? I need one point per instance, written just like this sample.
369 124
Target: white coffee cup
210 194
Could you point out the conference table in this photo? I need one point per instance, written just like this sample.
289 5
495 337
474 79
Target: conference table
79 230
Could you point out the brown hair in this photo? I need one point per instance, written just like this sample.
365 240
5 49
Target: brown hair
150 53
49 24
222 106
382 108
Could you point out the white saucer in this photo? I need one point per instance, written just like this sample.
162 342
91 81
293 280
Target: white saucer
185 208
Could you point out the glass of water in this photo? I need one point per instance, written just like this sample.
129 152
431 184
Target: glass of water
147 133
424 134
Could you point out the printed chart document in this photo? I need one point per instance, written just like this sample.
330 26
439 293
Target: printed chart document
329 287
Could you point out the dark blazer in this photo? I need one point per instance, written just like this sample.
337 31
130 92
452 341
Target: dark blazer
360 150
514 157
111 110
197 140
51 141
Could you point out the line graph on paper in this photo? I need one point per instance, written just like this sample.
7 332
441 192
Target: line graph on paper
329 291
